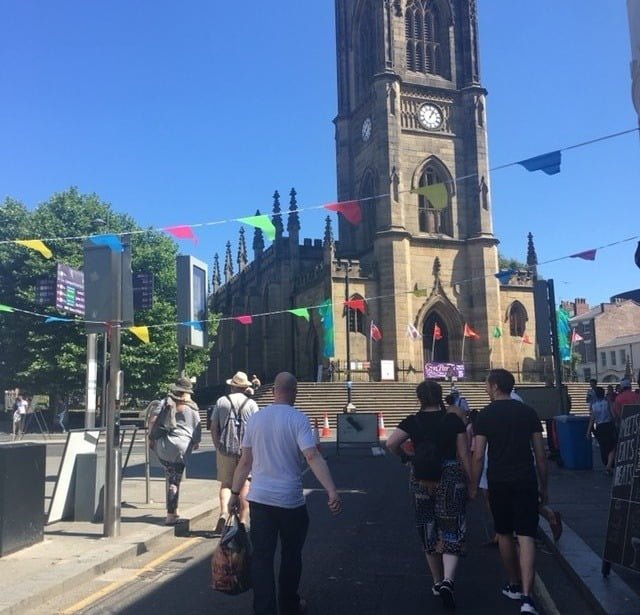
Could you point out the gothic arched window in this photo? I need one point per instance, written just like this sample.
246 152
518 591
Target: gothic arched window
517 317
366 56
356 317
431 219
427 33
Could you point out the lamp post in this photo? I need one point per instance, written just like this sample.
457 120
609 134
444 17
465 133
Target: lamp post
346 267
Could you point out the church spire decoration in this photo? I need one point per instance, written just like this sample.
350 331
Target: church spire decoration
242 250
215 281
258 239
328 233
277 217
532 257
228 263
293 222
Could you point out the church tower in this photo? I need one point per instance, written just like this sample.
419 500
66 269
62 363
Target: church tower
411 114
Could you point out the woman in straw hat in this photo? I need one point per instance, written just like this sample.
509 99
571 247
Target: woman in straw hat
179 433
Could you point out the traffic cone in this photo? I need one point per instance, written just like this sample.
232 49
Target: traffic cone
326 431
382 432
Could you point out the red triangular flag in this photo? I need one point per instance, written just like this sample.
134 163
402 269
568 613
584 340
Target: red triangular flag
182 232
245 320
375 333
588 255
576 337
469 332
349 209
526 339
355 304
437 332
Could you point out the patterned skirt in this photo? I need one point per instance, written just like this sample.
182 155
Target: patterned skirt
441 511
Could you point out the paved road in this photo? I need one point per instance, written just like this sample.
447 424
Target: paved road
367 560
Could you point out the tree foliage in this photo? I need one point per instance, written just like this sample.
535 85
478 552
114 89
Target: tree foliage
51 358
506 262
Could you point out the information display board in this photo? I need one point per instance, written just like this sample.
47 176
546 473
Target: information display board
357 429
622 545
70 290
450 371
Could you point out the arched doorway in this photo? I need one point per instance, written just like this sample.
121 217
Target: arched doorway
435 339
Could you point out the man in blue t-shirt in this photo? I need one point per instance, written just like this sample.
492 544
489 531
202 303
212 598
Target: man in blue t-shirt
511 429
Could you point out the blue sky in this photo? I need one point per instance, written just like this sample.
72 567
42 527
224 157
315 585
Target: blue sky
191 112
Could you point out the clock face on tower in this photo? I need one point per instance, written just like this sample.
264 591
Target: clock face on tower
366 129
430 116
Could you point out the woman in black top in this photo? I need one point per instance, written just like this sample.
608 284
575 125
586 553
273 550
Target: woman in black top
440 506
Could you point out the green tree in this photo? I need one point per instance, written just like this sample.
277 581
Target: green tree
51 358
505 262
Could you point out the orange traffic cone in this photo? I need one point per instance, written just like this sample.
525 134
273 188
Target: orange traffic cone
326 431
382 432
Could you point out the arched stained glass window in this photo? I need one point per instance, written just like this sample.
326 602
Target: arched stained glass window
427 34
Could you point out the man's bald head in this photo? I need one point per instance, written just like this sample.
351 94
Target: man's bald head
285 388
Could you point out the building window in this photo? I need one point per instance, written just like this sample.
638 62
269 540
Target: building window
586 327
603 359
623 357
430 219
613 358
587 374
427 34
517 317
356 317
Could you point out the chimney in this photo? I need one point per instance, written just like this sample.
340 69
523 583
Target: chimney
582 307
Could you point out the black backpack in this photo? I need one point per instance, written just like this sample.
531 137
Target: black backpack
427 460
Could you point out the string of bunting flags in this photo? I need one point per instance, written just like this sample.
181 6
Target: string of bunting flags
437 194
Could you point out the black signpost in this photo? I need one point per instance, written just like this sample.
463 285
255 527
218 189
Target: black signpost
622 545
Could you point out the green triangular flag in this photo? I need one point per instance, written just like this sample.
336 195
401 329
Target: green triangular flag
5 308
497 332
302 312
261 222
436 193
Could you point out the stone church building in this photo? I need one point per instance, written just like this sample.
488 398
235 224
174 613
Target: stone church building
411 114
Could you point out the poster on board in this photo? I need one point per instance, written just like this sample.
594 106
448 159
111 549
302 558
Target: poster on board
622 543
387 370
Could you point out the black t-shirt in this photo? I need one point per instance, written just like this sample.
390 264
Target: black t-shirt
508 425
440 427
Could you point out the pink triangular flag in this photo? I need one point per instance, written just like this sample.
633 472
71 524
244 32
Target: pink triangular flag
245 320
588 255
182 232
349 209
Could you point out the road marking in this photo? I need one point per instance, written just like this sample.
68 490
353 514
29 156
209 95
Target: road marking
101 593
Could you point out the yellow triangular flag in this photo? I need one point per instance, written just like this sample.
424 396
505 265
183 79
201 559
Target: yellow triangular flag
37 245
141 332
436 193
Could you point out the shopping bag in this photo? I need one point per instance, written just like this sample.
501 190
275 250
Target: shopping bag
231 560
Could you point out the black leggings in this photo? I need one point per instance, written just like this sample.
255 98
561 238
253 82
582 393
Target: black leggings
607 438
173 474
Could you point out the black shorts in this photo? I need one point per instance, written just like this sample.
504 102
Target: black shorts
514 506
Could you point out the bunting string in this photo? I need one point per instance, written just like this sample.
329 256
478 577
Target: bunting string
548 163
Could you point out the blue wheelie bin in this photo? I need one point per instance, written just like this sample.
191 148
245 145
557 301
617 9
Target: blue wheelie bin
576 449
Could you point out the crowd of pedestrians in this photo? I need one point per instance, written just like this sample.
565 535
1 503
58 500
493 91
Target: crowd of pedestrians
453 453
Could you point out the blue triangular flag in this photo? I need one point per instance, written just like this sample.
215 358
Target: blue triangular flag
111 241
505 276
56 319
548 163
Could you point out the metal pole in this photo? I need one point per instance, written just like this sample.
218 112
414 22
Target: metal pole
346 298
104 396
113 468
92 377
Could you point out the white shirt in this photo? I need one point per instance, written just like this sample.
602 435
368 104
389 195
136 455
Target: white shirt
277 435
22 406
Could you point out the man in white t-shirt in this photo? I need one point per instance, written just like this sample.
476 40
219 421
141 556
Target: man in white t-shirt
271 449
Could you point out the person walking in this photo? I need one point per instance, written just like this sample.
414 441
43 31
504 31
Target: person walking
174 431
605 430
19 417
271 448
228 423
439 498
511 429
